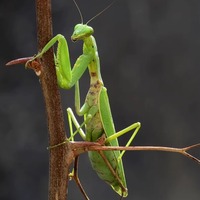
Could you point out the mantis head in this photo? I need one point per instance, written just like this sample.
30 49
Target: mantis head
81 31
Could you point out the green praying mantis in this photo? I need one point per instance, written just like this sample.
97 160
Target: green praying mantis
98 121
96 109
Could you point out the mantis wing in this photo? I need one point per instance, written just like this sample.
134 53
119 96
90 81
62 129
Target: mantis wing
106 116
108 125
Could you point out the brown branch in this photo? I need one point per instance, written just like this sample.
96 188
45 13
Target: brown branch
81 147
60 158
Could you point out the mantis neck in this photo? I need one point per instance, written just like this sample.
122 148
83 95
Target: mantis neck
90 47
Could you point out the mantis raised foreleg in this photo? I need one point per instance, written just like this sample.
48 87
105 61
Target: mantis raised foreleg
96 109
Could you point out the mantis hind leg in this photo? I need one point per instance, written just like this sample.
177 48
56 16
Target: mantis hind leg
106 116
135 126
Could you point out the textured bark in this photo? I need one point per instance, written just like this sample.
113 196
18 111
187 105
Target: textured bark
59 158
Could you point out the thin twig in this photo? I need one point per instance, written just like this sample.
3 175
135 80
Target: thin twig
76 178
81 147
182 151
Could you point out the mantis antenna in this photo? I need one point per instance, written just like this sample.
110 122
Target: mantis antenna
102 11
81 16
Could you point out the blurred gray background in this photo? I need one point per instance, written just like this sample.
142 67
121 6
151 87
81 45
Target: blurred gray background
150 63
